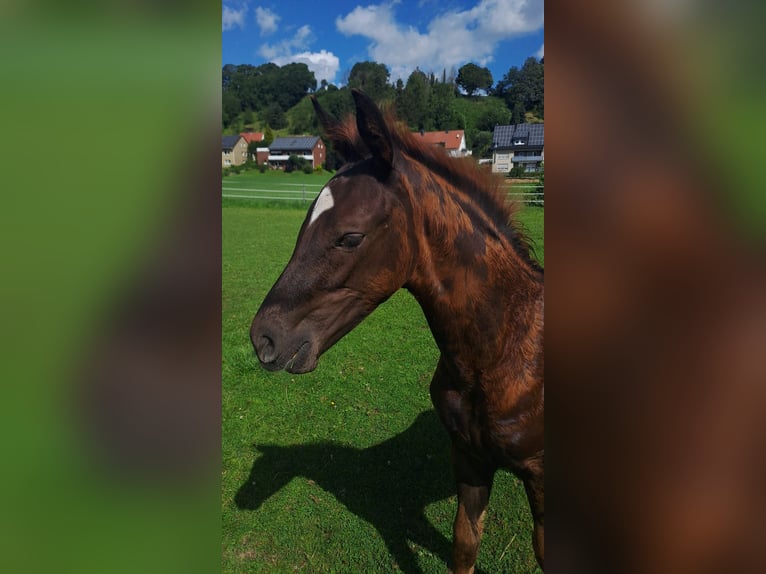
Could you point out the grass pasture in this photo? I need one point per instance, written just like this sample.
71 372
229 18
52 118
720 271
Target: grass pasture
345 469
297 189
280 190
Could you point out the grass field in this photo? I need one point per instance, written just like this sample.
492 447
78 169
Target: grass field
345 469
297 189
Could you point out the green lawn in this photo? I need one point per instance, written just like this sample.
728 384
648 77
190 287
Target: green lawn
291 190
345 469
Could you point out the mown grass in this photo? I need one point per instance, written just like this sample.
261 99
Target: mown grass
295 190
345 469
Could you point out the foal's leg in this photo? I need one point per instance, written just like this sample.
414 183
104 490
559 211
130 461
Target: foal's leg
534 484
474 484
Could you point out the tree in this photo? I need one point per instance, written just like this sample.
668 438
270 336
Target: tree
257 87
268 136
294 81
524 89
252 150
441 114
371 78
518 116
480 142
414 100
399 97
294 163
492 117
471 78
247 118
231 108
275 116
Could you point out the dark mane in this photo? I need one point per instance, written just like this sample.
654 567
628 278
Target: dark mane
483 187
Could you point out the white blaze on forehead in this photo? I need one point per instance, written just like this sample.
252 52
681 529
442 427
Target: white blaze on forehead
324 202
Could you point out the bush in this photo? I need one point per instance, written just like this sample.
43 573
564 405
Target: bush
263 167
516 171
294 162
307 169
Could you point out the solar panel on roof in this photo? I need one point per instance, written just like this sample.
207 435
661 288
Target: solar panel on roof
504 136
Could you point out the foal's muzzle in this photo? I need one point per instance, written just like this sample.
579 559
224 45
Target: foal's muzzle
278 348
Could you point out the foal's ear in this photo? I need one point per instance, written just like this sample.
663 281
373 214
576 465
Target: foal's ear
335 132
326 120
374 131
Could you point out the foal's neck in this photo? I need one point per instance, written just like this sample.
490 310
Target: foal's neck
478 293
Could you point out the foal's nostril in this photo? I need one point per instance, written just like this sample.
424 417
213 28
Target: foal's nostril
264 347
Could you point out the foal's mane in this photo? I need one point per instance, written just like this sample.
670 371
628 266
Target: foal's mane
481 186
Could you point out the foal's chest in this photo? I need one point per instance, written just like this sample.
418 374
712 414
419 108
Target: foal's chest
504 438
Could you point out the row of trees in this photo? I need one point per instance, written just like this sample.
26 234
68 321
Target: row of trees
268 89
426 101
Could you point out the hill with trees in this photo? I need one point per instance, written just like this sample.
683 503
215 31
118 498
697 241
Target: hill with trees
274 98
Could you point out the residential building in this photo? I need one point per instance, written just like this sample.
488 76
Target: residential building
453 141
233 150
310 148
262 155
251 137
518 144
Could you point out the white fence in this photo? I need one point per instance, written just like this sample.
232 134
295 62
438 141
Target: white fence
307 192
529 194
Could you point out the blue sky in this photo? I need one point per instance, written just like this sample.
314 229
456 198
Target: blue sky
331 36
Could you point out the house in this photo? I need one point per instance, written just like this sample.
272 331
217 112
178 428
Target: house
453 141
310 148
262 155
251 137
518 144
233 150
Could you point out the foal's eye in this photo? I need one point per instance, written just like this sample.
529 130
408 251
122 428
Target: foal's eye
350 240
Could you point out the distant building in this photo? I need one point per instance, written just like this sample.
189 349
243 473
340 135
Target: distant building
453 141
518 144
251 137
310 148
262 155
233 150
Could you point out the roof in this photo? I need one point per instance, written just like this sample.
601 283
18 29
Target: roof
532 134
252 136
296 143
450 139
228 142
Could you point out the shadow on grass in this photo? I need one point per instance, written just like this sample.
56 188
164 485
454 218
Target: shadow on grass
388 485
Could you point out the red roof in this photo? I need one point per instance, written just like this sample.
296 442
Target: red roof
450 139
252 136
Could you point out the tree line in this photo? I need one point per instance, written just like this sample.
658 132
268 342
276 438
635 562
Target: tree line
272 96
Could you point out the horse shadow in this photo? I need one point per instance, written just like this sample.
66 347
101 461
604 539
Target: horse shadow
388 485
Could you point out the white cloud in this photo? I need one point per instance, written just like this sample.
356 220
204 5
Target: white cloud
500 19
267 20
451 39
540 53
232 18
324 64
299 42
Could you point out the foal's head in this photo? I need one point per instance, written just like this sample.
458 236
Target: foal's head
352 252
